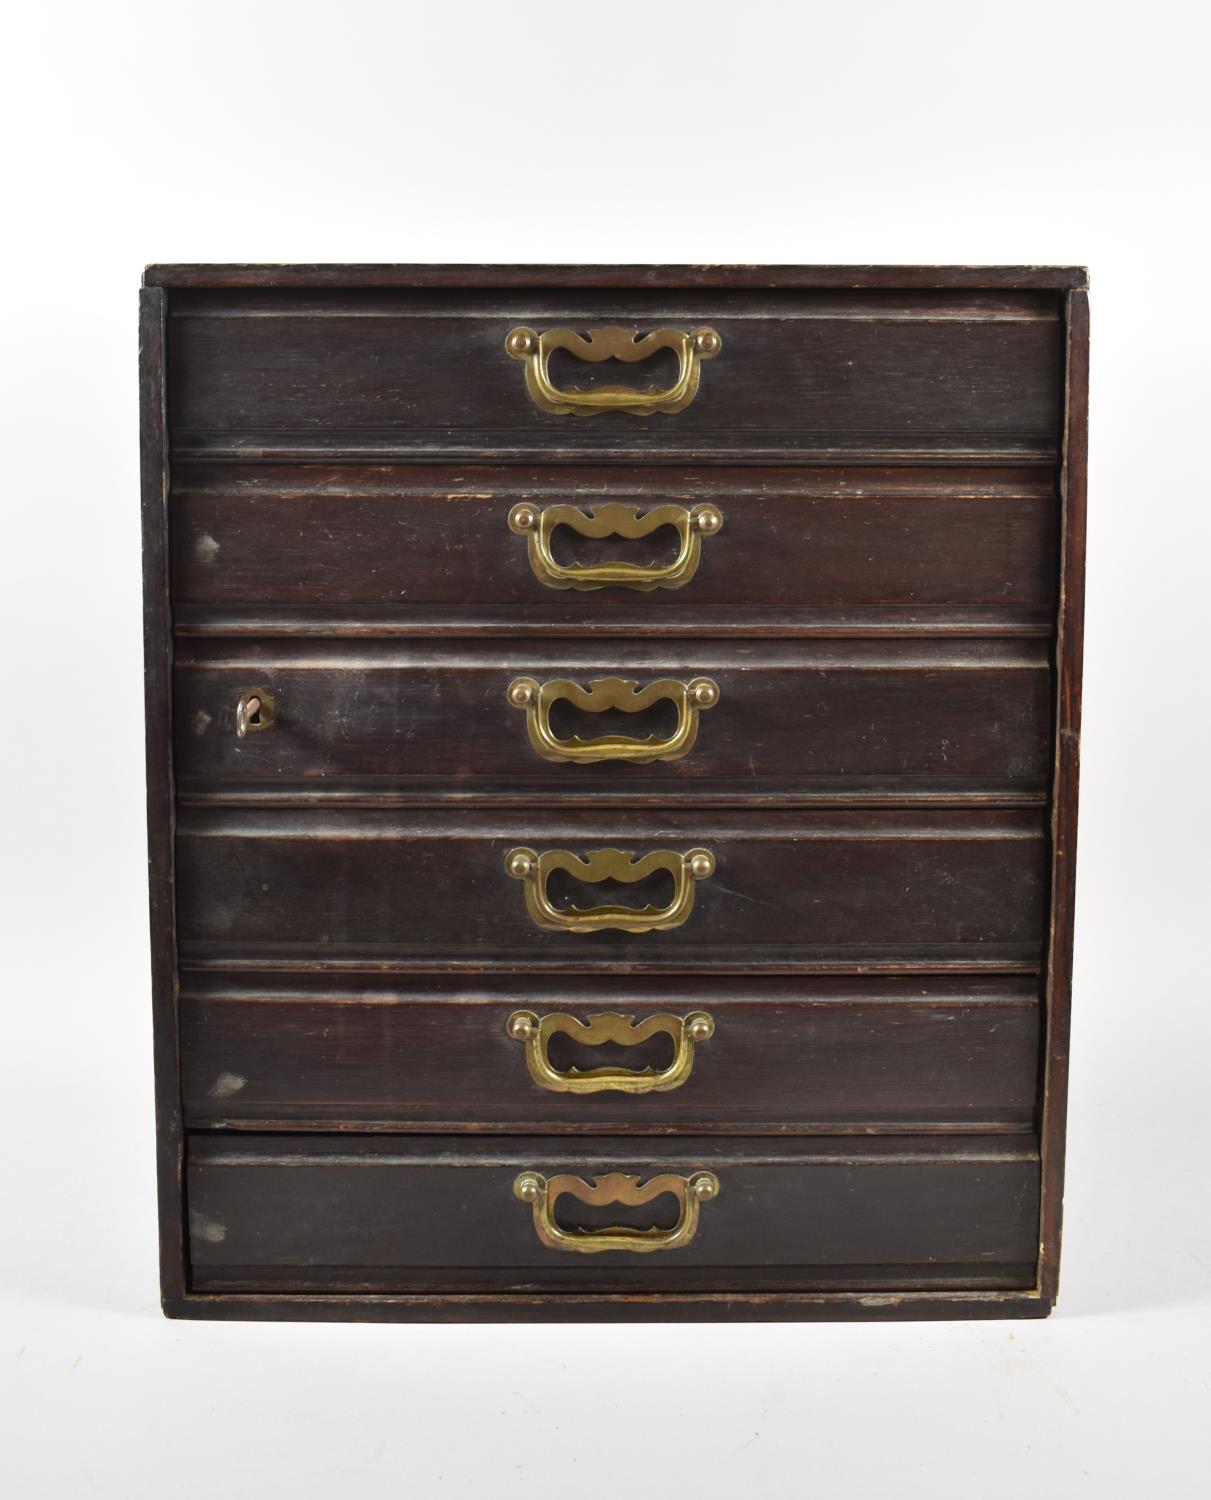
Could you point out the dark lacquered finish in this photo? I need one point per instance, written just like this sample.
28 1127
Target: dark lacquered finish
314 886
273 549
373 1214
817 1056
891 612
426 373
833 717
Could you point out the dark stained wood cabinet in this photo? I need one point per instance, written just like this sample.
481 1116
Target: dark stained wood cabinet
612 765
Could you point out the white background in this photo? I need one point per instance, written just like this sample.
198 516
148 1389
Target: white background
606 131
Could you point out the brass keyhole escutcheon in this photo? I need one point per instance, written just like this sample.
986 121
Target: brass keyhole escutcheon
253 712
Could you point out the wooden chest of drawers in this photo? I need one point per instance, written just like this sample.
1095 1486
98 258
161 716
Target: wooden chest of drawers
612 752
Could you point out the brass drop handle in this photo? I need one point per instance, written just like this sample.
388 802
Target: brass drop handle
610 1026
625 344
605 693
542 1193
253 712
692 524
609 864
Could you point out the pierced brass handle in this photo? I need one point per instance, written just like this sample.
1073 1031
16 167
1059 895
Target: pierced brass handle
609 864
253 712
625 344
612 692
686 1032
615 519
542 1194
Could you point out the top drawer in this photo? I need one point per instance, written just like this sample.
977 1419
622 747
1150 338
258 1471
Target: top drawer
365 374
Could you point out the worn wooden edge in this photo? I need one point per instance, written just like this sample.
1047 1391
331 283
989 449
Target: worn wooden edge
1026 278
722 966
539 800
1069 653
161 816
224 627
573 1307
280 1124
427 449
664 482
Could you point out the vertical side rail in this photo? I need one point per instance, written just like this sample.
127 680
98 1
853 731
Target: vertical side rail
1070 637
157 678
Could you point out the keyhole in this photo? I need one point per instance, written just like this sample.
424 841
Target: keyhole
253 712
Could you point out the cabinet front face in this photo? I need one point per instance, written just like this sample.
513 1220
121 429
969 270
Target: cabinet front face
612 751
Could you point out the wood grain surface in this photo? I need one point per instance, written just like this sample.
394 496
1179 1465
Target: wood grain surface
425 373
812 1056
318 887
346 549
881 717
374 1214
520 276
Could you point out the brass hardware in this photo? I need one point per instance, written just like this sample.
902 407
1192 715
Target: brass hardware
253 712
609 864
615 519
625 344
686 1032
543 1192
612 692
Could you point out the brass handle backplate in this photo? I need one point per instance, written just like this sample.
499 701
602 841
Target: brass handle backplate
625 344
605 693
692 524
542 1194
610 1026
609 864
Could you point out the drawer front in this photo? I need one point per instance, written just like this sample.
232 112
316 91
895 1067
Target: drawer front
452 887
356 549
430 373
630 717
380 1214
724 1055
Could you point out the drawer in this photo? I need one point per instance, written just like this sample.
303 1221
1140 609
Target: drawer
447 886
848 718
272 549
597 1054
360 1213
367 374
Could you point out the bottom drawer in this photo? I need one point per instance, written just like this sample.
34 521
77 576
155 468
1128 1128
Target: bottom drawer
383 1214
